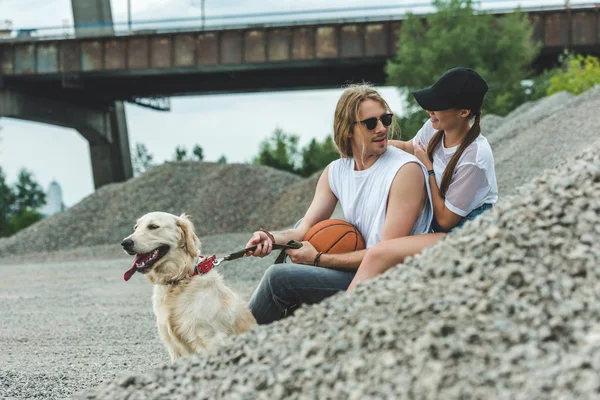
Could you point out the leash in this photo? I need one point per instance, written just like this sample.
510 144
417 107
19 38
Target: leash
209 263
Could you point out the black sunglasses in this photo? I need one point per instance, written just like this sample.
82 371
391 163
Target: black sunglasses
371 123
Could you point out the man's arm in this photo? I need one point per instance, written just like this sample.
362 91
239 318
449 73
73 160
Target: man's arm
406 200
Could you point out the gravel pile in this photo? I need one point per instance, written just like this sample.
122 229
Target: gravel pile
505 308
219 198
489 123
544 140
527 115
294 202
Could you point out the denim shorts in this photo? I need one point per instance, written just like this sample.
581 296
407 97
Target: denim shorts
471 216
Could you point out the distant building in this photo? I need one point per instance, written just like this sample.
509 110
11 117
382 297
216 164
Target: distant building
54 201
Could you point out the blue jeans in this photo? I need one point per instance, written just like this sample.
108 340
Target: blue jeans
470 216
285 286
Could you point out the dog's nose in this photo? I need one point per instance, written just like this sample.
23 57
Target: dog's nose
127 244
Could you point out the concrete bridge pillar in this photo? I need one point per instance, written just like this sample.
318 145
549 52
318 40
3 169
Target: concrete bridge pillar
92 18
111 161
103 126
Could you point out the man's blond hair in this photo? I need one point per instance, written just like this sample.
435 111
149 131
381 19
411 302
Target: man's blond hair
347 113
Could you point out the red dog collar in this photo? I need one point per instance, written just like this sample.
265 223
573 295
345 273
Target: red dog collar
205 265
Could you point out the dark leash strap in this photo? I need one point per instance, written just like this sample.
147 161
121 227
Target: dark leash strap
292 244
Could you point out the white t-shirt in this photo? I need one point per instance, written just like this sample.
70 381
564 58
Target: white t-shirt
474 180
363 195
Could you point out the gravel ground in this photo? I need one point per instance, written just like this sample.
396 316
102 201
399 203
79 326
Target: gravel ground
70 322
506 308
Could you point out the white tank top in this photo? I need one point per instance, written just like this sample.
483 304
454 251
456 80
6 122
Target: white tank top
363 195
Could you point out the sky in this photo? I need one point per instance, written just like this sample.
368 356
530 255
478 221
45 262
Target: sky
54 153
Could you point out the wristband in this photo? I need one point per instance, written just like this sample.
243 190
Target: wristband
316 262
271 237
431 172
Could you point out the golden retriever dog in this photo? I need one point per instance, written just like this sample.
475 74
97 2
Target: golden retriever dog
194 311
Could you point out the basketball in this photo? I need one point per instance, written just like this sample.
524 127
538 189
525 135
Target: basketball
335 236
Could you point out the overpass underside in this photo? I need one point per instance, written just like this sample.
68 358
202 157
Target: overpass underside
102 125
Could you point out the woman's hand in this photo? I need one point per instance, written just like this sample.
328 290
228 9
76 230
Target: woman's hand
421 154
263 244
304 255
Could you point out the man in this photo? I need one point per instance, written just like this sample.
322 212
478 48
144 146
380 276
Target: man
382 191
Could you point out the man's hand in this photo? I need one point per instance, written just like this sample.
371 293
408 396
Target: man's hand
263 244
304 255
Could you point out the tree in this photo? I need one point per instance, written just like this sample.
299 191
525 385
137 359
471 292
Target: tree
198 152
7 201
578 74
142 159
180 153
499 48
19 203
222 159
280 151
28 193
316 156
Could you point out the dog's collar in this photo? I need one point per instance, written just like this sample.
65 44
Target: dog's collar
203 265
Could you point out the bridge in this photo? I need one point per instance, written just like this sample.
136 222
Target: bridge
81 82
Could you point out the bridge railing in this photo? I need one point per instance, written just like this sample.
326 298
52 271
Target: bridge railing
275 19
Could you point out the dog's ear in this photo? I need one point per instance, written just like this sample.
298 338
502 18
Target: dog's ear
189 240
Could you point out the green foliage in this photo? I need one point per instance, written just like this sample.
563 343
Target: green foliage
18 204
280 151
499 48
578 74
23 220
7 200
198 152
316 156
539 85
28 193
411 123
142 159
180 153
222 159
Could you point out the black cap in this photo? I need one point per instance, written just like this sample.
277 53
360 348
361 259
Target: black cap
457 88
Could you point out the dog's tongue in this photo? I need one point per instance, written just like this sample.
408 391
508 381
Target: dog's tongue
129 273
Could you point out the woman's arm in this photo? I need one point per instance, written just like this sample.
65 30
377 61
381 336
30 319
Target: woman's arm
445 218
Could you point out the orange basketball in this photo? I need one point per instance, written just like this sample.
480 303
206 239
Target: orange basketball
335 236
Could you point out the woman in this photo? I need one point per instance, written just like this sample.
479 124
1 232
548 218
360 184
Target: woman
459 162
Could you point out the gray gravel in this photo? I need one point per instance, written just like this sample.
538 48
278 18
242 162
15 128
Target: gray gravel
491 122
505 308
